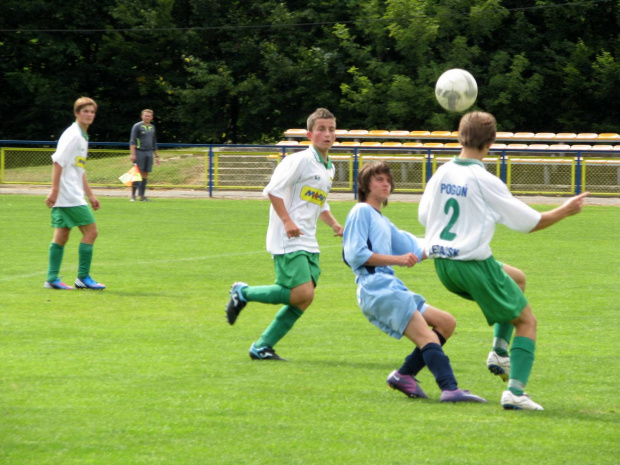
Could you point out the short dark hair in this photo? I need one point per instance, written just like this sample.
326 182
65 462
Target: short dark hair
319 113
477 129
366 173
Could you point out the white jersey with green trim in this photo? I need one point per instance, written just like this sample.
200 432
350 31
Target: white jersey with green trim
71 154
303 181
460 207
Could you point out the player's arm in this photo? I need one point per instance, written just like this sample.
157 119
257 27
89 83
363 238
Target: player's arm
133 137
53 195
569 208
292 230
94 202
329 219
408 260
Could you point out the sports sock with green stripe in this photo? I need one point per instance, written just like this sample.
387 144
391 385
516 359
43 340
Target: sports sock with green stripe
280 326
55 260
274 294
521 363
502 334
85 254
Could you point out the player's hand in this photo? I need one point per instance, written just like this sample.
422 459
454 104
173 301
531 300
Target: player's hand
291 229
408 260
51 199
94 202
574 205
338 230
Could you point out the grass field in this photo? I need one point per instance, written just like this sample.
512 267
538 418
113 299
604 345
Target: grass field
149 372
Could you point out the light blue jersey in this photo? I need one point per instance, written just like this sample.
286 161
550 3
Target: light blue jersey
383 298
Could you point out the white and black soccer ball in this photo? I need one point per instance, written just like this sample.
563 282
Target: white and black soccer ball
456 90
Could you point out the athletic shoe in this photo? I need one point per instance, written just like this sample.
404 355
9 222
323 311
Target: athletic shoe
459 395
499 365
144 199
57 284
88 283
264 353
236 302
511 401
132 199
406 384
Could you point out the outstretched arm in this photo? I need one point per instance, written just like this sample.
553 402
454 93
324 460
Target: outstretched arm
571 207
408 260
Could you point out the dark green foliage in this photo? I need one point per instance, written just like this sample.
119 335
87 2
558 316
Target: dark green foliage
244 71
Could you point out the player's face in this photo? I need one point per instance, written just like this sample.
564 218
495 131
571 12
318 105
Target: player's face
323 134
147 117
380 187
86 115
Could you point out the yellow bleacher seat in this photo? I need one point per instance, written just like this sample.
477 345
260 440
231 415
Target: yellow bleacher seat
616 147
357 132
305 142
587 135
420 133
399 133
559 147
295 132
539 146
453 145
413 144
516 146
341 132
544 135
498 146
287 142
602 147
371 144
566 135
378 133
608 136
392 144
504 135
349 143
524 135
581 147
433 145
441 134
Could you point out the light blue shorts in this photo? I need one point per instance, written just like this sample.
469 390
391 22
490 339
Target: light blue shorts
387 303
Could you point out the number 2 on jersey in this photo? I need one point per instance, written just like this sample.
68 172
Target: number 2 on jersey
446 234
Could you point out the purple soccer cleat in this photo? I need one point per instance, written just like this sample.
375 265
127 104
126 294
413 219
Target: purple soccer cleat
406 384
459 395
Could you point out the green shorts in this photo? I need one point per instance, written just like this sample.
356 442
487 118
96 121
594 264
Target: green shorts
486 283
296 268
68 217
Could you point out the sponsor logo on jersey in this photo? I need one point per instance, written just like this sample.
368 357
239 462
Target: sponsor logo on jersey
80 161
316 196
443 251
454 189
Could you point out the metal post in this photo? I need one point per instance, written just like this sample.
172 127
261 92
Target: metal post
355 170
210 171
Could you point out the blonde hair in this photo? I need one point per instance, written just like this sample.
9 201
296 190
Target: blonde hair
477 130
319 113
366 173
83 102
147 110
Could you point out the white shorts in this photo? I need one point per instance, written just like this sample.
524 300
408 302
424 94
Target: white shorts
387 303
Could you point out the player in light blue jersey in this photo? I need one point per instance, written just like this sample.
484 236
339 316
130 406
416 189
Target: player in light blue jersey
372 245
460 207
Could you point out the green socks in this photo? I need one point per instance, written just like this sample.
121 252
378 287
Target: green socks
521 362
85 253
502 333
274 294
55 259
280 326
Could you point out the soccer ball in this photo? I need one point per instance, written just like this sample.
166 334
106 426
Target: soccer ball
456 90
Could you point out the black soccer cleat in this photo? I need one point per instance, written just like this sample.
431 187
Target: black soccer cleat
236 302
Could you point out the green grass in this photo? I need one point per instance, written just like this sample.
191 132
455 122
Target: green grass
148 371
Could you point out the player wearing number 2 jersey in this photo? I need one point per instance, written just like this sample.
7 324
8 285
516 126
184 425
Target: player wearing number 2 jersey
460 207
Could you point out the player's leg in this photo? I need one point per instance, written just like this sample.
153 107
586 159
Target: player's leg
437 361
521 360
442 324
146 166
498 360
85 258
56 252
